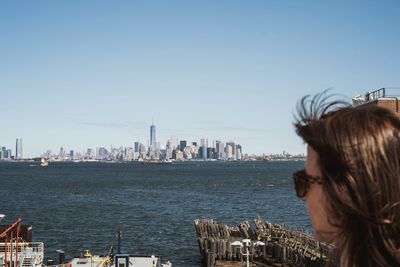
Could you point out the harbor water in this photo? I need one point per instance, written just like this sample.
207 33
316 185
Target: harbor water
78 206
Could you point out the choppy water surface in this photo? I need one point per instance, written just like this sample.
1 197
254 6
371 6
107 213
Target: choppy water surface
77 206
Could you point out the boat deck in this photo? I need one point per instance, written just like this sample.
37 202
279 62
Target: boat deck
100 261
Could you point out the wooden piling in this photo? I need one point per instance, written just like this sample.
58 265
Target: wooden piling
283 246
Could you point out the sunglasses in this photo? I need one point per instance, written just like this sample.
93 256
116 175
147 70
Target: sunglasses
302 182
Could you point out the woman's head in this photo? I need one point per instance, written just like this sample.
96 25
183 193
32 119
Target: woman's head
355 153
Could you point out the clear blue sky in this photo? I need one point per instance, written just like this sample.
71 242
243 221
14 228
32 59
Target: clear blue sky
83 74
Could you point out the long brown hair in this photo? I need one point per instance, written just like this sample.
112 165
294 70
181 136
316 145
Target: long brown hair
359 157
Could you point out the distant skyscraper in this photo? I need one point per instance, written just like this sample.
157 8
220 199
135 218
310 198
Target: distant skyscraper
220 149
203 145
61 153
136 147
89 153
18 148
152 135
210 152
103 152
232 144
142 148
240 150
182 145
228 151
153 149
168 149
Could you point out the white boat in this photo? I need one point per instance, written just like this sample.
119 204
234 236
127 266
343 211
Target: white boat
116 260
44 162
120 260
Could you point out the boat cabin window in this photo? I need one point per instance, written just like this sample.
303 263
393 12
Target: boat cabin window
121 263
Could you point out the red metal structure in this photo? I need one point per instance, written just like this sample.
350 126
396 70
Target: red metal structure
11 236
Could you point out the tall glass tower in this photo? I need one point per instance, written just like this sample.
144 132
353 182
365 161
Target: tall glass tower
153 145
152 136
18 148
204 146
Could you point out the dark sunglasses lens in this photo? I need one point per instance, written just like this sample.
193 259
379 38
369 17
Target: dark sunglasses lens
300 184
301 188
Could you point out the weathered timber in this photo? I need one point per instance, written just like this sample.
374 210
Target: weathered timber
284 247
231 264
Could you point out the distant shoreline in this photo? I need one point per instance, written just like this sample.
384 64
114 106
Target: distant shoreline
150 162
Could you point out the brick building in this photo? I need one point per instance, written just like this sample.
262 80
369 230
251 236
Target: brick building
379 97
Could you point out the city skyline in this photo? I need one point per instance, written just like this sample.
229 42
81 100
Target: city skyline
150 144
94 73
152 147
175 149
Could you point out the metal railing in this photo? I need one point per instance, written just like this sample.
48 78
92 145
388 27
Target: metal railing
386 92
380 93
369 96
29 253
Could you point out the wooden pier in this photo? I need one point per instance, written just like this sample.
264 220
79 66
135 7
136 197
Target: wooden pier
283 247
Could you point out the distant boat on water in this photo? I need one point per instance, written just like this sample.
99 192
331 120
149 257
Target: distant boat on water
39 162
44 162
